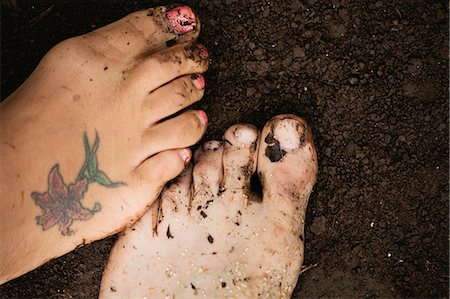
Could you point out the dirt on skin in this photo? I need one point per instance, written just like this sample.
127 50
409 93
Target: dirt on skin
371 77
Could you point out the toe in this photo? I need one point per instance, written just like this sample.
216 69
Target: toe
163 67
287 165
173 97
239 157
148 31
207 171
181 131
151 175
176 196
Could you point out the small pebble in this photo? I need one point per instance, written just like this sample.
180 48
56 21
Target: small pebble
391 79
353 81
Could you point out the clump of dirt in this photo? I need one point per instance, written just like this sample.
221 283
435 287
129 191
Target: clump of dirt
371 77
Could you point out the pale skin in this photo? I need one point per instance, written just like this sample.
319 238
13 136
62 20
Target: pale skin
211 236
102 94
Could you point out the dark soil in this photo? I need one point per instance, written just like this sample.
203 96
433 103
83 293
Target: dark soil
371 77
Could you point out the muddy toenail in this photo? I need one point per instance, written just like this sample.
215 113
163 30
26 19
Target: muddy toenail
181 19
203 51
245 135
290 134
211 145
203 117
199 81
185 155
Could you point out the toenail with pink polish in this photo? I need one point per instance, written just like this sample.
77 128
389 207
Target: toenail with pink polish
181 19
199 81
203 117
185 155
245 135
203 51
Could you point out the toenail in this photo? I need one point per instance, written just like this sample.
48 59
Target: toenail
203 51
199 81
290 134
212 145
185 155
245 135
181 19
203 117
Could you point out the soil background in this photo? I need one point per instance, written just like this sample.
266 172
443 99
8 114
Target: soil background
371 78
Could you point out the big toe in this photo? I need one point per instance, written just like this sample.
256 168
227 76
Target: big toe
287 166
146 32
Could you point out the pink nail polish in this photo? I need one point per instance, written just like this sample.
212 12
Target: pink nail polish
203 117
203 52
186 155
181 19
199 81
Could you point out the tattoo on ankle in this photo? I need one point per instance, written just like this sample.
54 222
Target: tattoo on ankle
61 204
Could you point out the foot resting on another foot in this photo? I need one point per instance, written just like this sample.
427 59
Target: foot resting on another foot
210 236
90 139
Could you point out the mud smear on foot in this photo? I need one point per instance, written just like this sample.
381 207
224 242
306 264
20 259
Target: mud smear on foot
273 149
246 170
160 21
157 215
171 42
168 57
168 233
195 53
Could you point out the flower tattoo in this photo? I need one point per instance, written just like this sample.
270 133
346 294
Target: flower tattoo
61 204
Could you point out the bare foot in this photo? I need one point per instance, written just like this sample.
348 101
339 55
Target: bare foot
214 238
86 142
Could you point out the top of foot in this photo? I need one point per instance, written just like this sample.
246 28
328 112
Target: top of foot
211 237
94 121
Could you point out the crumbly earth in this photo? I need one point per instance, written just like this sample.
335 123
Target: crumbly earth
371 78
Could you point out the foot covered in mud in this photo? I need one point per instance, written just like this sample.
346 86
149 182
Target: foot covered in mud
209 235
